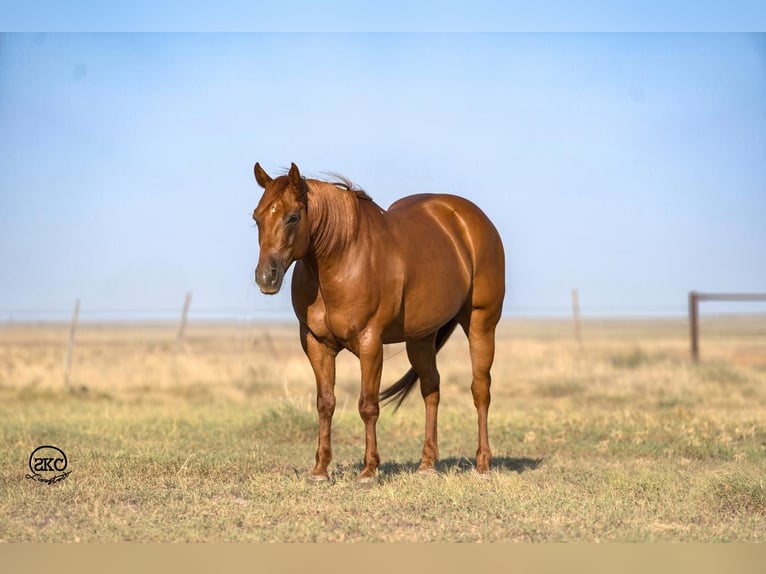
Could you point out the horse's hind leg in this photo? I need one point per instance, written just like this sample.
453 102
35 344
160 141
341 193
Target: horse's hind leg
422 355
479 325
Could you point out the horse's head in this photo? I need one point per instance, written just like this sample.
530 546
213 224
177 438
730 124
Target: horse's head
283 228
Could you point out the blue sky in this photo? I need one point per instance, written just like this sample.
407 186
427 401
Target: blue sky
390 16
630 166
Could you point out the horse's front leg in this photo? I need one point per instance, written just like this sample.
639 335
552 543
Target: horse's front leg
371 359
322 359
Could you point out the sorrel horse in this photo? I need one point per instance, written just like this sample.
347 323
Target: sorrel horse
365 276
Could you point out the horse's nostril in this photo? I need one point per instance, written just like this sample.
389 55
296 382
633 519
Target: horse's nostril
273 274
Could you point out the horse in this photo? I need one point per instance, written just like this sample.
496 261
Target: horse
365 277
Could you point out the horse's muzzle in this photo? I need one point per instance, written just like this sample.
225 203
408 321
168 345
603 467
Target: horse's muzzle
269 277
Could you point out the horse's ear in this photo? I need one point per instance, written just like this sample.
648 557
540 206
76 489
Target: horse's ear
294 176
261 176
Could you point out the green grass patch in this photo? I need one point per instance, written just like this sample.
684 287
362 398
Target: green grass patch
285 421
721 372
739 493
632 360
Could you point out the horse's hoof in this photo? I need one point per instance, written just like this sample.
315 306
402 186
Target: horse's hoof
483 474
317 478
367 481
425 472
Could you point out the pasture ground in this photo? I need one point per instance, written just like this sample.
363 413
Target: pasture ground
620 438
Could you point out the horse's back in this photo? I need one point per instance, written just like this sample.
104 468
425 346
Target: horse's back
441 207
467 228
455 214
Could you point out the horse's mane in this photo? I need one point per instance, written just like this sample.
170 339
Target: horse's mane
341 181
333 207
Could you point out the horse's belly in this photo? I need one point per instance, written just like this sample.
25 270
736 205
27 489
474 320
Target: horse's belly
434 293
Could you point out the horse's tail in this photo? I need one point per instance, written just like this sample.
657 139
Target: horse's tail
399 391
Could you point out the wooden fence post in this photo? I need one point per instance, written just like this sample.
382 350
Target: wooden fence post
576 314
182 323
694 325
70 342
694 299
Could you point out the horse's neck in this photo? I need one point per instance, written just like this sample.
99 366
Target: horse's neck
345 248
334 215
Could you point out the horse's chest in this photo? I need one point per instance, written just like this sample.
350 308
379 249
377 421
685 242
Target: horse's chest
347 305
344 325
330 323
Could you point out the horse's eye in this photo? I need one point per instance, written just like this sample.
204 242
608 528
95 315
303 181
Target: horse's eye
293 219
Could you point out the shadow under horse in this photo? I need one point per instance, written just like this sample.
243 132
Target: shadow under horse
461 464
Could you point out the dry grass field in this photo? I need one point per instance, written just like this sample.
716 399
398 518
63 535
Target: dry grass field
620 438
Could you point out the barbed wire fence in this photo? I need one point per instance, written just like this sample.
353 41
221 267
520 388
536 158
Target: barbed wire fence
254 314
254 321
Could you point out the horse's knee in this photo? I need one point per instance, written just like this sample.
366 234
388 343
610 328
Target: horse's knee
369 408
326 404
